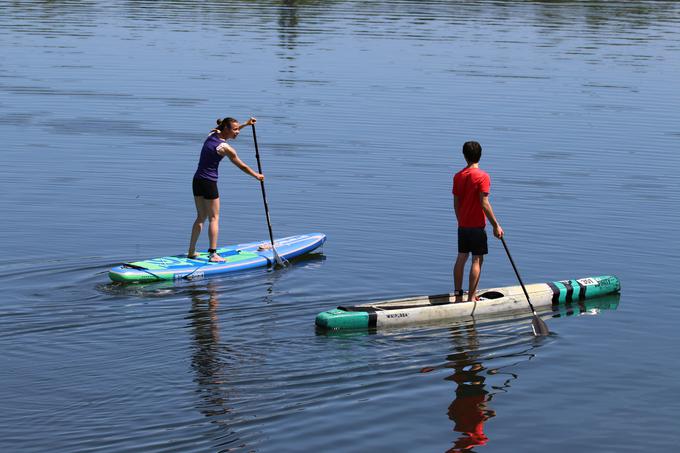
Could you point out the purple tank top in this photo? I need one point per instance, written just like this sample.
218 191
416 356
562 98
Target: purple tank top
210 160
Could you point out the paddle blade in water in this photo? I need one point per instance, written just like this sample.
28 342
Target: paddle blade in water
279 261
539 327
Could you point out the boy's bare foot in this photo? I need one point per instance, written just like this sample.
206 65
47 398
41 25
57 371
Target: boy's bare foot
192 256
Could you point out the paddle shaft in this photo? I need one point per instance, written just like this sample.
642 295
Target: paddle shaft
517 274
264 193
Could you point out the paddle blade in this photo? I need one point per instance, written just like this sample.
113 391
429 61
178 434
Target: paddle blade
280 262
539 327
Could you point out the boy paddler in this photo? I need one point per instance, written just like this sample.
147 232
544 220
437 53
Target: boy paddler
471 188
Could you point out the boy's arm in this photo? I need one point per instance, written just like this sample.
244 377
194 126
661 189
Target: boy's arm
455 206
488 211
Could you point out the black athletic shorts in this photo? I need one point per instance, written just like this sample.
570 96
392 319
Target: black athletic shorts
472 240
205 188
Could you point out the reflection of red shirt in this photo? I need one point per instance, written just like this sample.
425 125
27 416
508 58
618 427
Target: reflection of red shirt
467 185
468 414
468 411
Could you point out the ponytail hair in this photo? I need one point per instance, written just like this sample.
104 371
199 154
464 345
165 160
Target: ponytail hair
224 123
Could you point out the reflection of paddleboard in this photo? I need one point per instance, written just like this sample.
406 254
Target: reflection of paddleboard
398 312
238 257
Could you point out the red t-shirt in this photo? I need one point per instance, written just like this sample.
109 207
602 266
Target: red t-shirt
467 185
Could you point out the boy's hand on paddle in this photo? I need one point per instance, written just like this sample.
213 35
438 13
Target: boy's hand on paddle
498 231
259 177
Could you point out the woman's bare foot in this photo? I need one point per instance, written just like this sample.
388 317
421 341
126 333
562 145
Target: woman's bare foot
265 246
192 256
215 258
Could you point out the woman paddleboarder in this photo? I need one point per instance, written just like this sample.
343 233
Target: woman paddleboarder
206 196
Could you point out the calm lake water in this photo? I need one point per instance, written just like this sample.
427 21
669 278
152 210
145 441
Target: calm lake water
362 108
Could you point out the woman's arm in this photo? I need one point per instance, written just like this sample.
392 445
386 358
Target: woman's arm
250 122
226 150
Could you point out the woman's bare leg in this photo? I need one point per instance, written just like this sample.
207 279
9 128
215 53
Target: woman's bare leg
213 211
201 215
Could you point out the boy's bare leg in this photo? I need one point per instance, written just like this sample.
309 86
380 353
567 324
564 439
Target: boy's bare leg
475 272
458 271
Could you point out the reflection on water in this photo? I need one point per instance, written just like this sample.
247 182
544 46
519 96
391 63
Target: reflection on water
218 361
485 366
586 307
603 21
212 360
469 410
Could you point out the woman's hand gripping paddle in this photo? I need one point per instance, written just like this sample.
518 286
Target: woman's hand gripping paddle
277 258
537 325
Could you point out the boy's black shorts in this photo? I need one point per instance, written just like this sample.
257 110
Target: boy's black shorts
472 240
205 188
